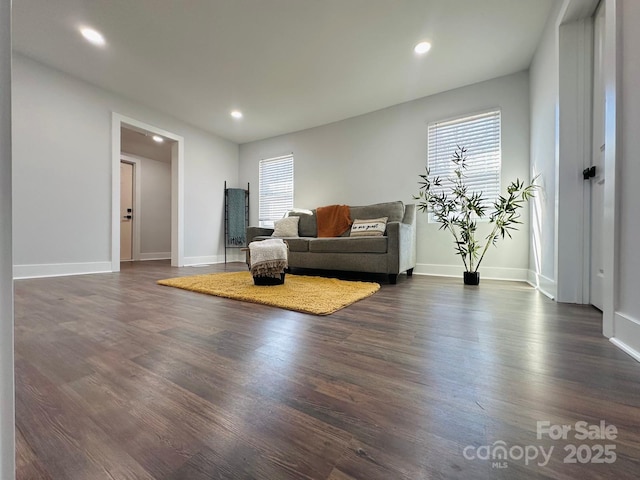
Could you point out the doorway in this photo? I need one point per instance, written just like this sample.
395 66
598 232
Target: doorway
177 188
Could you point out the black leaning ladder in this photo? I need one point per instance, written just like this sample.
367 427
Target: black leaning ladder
231 213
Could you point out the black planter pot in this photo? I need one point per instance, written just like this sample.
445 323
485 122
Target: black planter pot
471 278
258 280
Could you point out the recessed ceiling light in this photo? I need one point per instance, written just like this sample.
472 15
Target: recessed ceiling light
158 138
422 48
93 36
236 114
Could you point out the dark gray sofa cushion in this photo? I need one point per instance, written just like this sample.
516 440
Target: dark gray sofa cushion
348 245
393 210
307 226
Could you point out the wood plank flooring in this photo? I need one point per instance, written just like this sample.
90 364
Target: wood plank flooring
119 378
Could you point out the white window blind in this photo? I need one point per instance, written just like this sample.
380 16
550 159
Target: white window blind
276 189
480 135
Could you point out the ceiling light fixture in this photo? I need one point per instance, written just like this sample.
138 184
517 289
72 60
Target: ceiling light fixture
236 114
422 48
158 138
93 36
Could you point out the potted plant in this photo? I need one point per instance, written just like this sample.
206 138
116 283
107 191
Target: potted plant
457 209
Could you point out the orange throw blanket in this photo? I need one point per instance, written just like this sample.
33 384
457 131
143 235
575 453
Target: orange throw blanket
333 220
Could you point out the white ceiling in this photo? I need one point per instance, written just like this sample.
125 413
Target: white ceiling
287 64
141 143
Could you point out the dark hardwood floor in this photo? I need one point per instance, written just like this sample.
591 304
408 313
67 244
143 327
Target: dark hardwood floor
119 378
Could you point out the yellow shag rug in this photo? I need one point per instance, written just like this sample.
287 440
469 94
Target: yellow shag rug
316 295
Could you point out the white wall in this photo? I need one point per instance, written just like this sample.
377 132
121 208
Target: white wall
377 157
7 449
544 88
627 318
155 209
62 174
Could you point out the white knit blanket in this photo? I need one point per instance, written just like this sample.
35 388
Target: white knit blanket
268 257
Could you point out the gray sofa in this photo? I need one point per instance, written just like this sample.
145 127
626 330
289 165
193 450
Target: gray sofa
391 254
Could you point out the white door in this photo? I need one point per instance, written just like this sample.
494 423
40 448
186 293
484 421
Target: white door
597 161
126 211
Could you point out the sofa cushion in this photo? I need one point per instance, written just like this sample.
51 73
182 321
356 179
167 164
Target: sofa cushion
307 227
286 227
296 244
348 245
393 210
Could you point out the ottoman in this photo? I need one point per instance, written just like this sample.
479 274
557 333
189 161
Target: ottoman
268 261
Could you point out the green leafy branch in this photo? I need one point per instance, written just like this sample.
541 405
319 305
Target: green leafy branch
457 210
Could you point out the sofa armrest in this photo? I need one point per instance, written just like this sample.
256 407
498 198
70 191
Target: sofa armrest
402 242
253 232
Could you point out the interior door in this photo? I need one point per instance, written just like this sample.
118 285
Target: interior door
598 148
126 211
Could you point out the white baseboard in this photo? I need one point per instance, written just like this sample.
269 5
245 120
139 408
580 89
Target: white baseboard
627 335
544 284
155 256
60 269
626 349
235 256
488 273
191 261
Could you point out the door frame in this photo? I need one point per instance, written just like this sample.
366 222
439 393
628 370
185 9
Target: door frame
612 114
135 238
177 188
574 137
589 184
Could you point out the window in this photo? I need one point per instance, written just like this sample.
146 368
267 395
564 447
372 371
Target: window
276 189
480 135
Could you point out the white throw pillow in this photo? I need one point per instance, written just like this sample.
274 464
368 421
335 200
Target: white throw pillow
286 227
373 227
303 211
